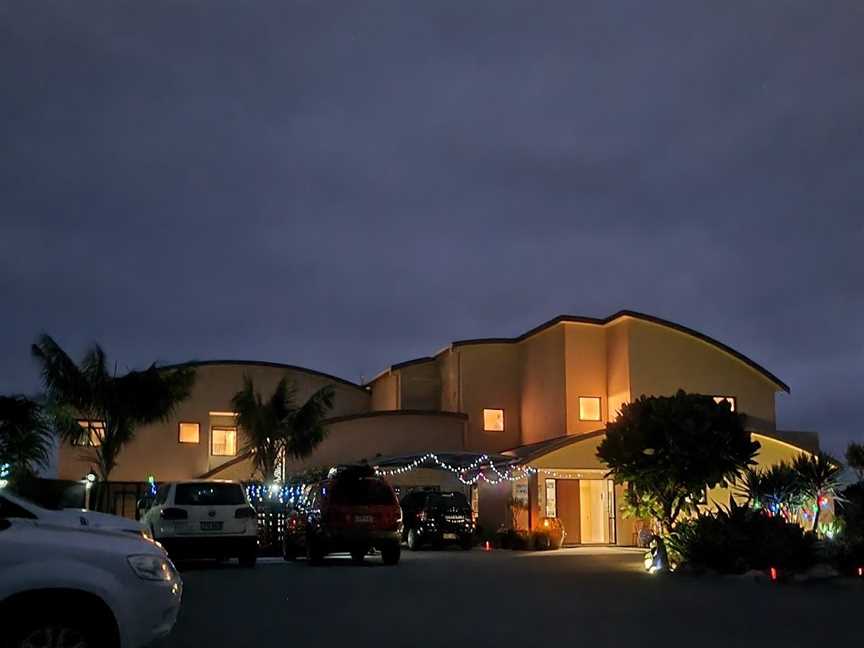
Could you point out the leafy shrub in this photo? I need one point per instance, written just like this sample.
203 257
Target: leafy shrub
850 509
738 539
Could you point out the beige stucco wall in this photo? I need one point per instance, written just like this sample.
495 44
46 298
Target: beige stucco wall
585 360
385 392
420 386
663 360
543 391
386 434
617 366
156 449
490 379
448 371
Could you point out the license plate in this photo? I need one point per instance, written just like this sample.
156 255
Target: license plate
211 526
449 536
363 519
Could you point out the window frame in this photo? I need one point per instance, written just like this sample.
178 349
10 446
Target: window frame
599 400
223 428
734 400
180 425
90 429
503 420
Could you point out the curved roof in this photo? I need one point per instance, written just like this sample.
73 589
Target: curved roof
639 316
257 363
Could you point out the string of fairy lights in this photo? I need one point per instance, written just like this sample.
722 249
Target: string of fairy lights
479 465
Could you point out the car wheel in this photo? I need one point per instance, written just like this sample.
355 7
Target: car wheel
466 543
289 552
357 555
390 553
249 557
314 553
413 540
53 632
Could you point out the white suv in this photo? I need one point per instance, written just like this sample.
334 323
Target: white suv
83 587
204 519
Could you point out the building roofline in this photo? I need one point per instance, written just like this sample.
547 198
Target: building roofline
260 363
594 321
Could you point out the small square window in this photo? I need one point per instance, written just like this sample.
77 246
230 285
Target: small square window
92 433
493 420
589 408
224 441
727 399
190 432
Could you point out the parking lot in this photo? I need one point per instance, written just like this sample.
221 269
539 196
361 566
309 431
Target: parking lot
596 597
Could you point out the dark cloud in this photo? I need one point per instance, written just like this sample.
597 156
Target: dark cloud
345 185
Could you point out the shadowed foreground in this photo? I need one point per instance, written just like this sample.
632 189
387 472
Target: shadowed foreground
597 597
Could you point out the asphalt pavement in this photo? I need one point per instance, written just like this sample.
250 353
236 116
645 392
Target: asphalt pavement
592 597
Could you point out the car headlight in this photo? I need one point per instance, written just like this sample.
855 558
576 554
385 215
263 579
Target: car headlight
151 567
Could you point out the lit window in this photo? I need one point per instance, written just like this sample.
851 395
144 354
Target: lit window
224 441
92 433
726 399
589 408
493 420
190 432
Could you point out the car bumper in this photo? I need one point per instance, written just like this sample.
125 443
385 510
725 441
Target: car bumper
151 612
444 533
348 538
208 546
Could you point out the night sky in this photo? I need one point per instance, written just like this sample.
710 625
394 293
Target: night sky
348 185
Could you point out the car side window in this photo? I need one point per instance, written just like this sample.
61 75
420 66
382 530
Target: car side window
11 510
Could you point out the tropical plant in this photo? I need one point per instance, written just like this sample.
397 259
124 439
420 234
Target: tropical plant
277 427
855 459
25 438
670 449
819 475
737 539
777 489
111 406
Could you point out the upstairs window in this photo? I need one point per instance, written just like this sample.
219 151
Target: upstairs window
589 408
91 435
493 420
727 399
223 441
190 433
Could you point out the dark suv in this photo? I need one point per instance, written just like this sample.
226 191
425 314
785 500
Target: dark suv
437 518
353 511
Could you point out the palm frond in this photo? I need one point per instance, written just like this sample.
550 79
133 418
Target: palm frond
307 429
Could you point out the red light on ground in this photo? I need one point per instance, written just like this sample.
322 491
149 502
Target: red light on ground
773 573
488 547
861 571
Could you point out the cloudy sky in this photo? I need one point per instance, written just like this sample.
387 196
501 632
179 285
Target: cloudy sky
347 185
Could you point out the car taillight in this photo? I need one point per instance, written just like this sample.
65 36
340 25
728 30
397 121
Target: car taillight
245 512
173 514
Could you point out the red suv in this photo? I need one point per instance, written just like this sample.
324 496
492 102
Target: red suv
353 510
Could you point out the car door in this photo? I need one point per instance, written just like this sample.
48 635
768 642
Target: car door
150 517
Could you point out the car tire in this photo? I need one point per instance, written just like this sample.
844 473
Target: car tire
390 553
357 555
413 540
289 552
314 553
56 628
249 557
467 543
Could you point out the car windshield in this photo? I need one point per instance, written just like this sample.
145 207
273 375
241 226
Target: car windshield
448 502
361 491
209 495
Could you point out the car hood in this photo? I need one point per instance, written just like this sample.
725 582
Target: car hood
89 519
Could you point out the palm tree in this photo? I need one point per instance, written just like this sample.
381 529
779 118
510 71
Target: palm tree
277 427
113 405
25 439
819 475
778 489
